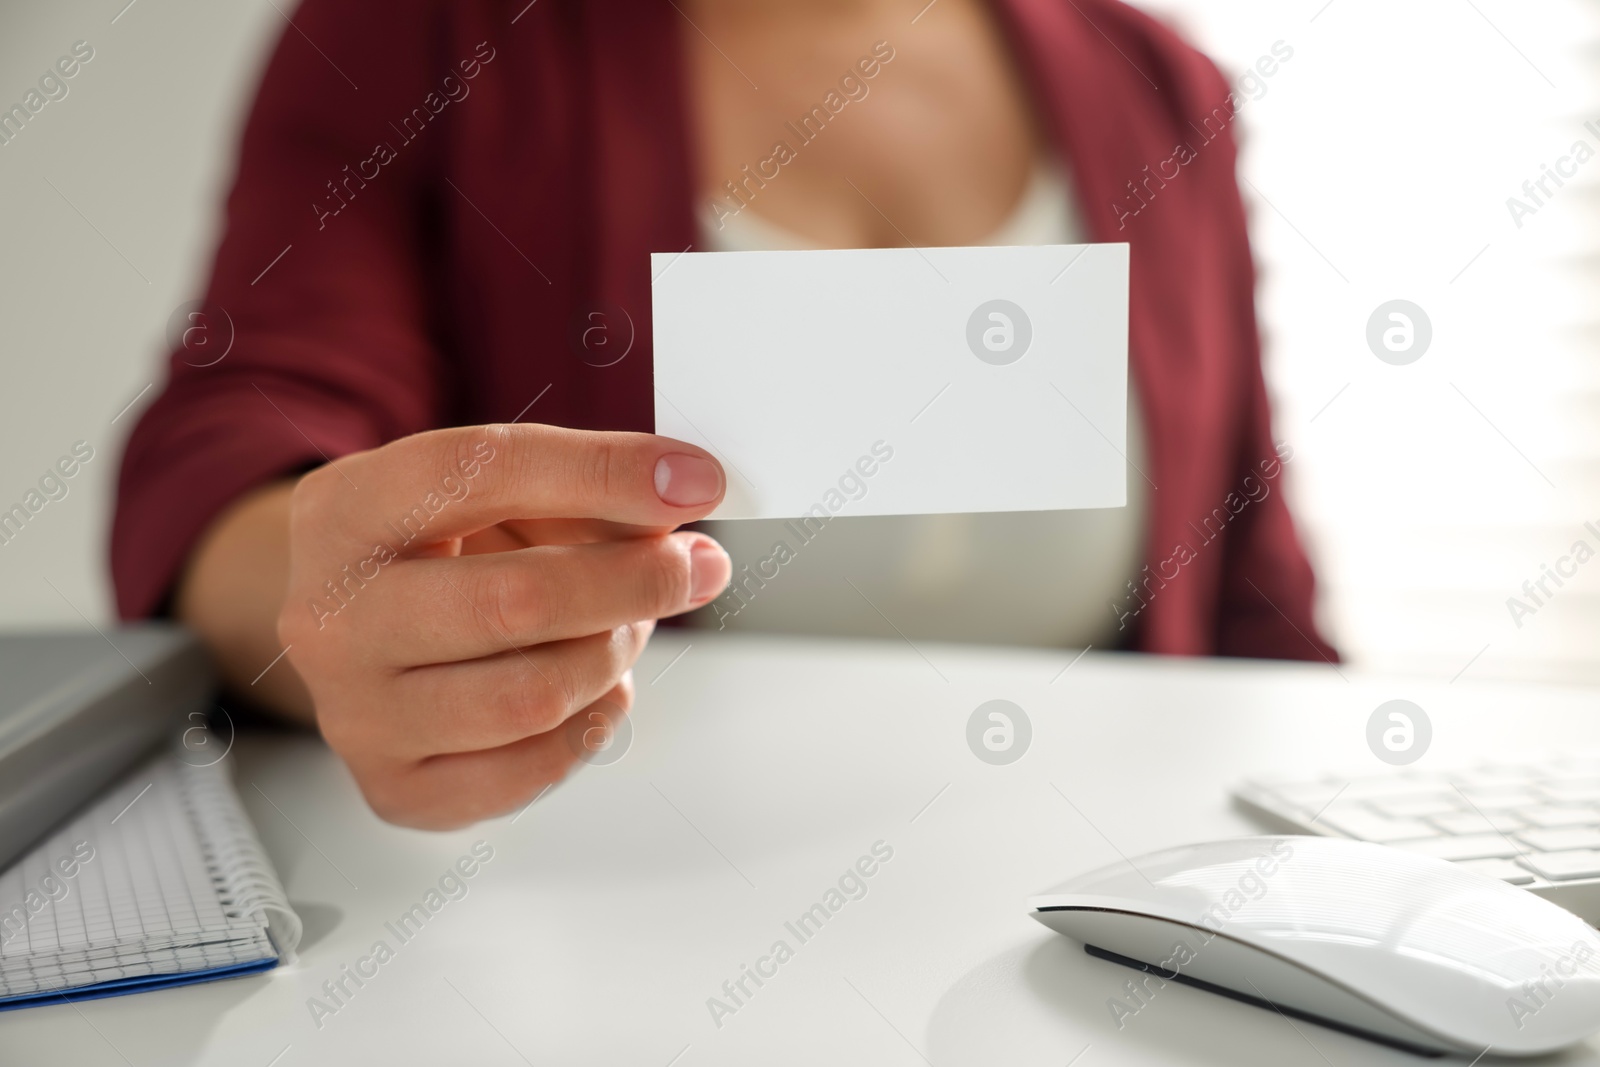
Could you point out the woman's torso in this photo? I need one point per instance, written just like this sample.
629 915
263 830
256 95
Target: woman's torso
930 140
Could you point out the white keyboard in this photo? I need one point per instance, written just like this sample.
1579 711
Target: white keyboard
1533 825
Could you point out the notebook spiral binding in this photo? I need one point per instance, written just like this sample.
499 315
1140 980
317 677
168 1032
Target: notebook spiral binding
247 885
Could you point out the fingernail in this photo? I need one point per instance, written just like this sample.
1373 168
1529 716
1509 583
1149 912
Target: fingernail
687 481
709 570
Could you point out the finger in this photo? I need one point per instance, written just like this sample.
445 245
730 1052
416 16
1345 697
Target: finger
499 699
460 789
449 791
440 610
596 732
513 534
532 532
445 484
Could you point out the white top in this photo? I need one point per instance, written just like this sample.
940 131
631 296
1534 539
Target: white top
1031 578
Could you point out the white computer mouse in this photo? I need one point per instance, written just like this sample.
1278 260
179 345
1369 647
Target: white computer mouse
1400 948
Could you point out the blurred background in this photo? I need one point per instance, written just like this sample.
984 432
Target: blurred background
1378 162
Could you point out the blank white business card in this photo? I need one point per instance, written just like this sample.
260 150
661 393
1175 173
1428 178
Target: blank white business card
899 381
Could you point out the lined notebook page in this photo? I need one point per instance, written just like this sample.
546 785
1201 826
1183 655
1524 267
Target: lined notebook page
162 876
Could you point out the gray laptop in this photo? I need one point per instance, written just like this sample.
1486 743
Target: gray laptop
77 708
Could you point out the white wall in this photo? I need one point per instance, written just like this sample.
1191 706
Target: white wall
141 145
1379 164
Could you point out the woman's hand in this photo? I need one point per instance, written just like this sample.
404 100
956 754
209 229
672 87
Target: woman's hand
455 597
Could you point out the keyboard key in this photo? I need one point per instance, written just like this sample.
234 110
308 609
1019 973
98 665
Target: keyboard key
1387 787
1417 806
1471 847
1559 815
1578 766
1576 789
1563 866
1499 798
1357 822
1561 839
1499 776
1505 870
1309 795
1471 822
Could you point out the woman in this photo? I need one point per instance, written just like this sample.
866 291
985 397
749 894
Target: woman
436 203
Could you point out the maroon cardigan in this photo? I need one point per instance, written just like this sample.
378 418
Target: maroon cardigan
433 195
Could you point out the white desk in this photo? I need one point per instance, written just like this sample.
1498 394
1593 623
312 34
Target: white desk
759 771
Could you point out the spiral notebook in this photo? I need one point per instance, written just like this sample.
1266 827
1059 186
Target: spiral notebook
161 882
